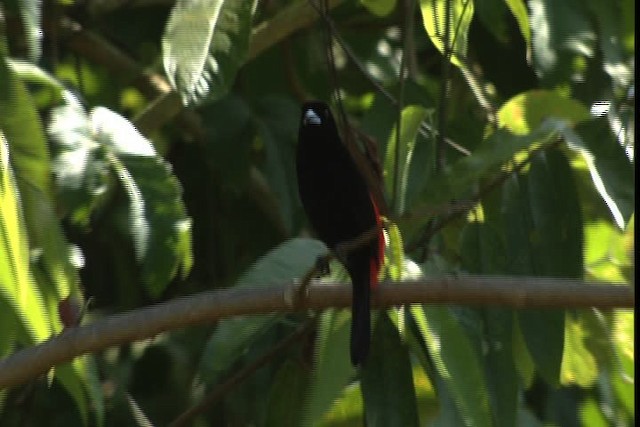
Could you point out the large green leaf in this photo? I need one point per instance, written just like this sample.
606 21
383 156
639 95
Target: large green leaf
89 151
287 395
79 165
386 379
332 367
519 10
560 32
379 7
399 154
526 111
578 363
456 361
283 264
492 13
483 252
544 237
204 44
18 289
611 170
557 235
21 125
30 29
457 180
157 222
434 18
609 21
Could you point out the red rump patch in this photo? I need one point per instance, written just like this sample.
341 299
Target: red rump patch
374 265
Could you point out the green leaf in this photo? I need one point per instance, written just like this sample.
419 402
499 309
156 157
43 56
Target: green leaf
398 158
283 264
230 339
434 19
500 368
543 332
578 364
21 125
332 367
379 7
611 170
522 357
526 111
30 160
18 289
204 45
544 238
519 10
456 180
287 394
395 263
605 255
560 31
31 13
456 361
492 14
157 219
557 235
623 377
80 169
46 89
70 376
386 379
482 249
609 21
518 226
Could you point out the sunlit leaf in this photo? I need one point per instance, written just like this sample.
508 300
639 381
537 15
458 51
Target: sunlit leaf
399 154
434 18
526 111
332 367
578 364
18 289
611 170
379 7
560 31
456 361
204 44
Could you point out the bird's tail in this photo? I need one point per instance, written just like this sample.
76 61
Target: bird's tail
360 314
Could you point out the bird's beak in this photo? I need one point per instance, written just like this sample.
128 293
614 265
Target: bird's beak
311 118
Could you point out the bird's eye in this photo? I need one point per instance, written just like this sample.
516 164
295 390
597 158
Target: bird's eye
311 118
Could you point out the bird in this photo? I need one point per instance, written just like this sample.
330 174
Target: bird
340 208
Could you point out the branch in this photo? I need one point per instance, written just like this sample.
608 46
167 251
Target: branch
211 306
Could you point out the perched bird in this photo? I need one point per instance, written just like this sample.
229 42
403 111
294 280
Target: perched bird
340 209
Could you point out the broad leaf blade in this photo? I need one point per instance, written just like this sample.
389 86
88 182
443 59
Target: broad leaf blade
157 219
399 154
526 111
456 361
386 379
434 20
332 367
18 289
611 170
204 44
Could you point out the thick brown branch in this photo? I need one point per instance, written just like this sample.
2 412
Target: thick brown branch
518 292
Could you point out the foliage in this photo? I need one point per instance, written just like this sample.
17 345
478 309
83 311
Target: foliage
521 111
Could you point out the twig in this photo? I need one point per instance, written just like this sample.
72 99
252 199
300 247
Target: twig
210 306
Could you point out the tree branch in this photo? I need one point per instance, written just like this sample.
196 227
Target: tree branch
210 306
